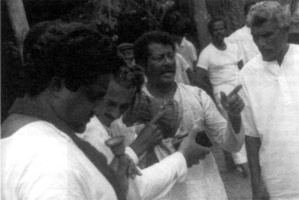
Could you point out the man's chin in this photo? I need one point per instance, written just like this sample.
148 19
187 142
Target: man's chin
268 58
80 129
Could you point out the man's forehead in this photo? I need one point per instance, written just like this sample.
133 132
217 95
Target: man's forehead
116 89
156 48
265 27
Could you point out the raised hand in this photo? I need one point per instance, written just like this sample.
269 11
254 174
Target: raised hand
192 151
149 136
232 103
122 163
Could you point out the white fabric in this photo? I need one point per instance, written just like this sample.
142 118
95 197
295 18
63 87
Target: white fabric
41 162
243 38
188 51
181 68
223 72
271 97
155 181
222 66
203 181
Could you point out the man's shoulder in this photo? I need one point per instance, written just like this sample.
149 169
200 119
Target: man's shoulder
295 48
191 89
36 137
208 50
254 65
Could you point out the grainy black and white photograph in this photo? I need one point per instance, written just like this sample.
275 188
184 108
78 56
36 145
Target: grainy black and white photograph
149 100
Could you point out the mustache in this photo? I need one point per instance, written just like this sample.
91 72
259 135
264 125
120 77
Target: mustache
110 117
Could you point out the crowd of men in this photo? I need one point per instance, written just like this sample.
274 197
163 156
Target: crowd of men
136 121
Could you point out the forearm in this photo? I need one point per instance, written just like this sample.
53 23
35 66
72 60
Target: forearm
253 147
236 122
157 180
138 147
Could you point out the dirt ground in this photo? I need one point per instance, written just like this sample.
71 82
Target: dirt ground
237 187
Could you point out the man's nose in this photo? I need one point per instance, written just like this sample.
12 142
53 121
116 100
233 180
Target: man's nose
262 42
168 60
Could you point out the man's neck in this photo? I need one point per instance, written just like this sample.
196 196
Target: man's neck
282 53
220 45
165 91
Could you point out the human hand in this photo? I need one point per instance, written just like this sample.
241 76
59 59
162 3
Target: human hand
149 136
192 151
117 146
232 103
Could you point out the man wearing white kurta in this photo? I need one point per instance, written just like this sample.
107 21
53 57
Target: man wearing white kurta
155 52
155 181
271 115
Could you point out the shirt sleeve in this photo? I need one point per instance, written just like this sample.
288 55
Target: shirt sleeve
182 62
193 53
247 114
217 127
203 61
51 175
157 180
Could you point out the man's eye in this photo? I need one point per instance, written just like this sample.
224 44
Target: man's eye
158 58
95 96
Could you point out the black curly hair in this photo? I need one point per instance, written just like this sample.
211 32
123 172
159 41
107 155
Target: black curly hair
75 53
141 45
130 77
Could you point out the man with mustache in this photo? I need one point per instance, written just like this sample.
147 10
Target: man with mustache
124 89
271 115
67 72
221 61
155 52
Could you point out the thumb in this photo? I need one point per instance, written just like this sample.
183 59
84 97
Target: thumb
223 99
205 150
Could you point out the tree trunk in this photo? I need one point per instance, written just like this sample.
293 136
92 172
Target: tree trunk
18 21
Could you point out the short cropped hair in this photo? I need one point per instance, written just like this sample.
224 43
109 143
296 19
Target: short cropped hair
265 11
75 53
141 46
213 21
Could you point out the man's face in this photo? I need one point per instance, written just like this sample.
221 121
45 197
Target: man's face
76 108
128 56
161 64
270 39
218 31
116 102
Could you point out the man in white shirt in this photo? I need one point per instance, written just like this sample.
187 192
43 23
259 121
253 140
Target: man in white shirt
271 115
221 61
157 180
42 157
243 38
155 51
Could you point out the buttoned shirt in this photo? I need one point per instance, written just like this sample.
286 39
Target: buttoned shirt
271 95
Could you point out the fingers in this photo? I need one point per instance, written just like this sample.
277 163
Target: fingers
116 145
223 99
235 91
157 117
204 150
